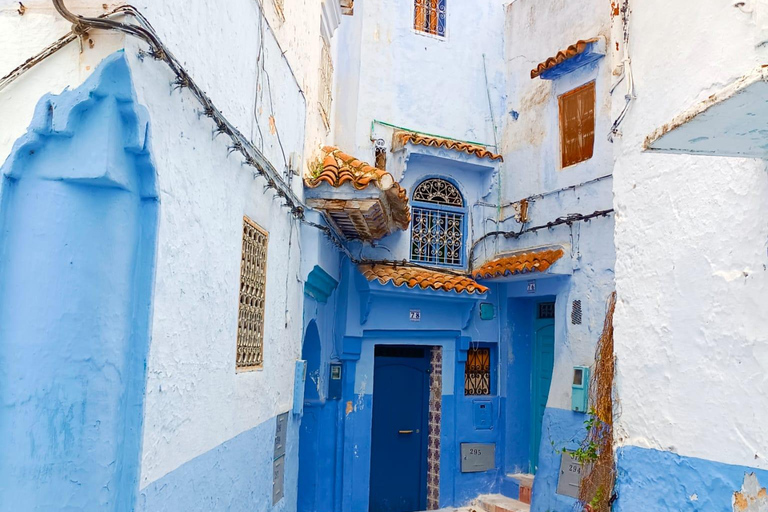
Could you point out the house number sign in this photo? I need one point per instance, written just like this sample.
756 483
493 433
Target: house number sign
415 315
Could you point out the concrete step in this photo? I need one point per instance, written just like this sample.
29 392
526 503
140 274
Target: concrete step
499 503
525 483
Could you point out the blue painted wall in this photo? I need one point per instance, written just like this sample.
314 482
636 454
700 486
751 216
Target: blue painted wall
560 429
242 466
77 246
659 480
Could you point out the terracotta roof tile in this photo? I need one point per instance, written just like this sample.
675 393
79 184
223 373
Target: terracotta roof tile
411 277
535 261
562 56
339 168
402 138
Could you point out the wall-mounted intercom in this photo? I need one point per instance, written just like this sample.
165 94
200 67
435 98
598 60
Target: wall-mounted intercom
334 383
580 389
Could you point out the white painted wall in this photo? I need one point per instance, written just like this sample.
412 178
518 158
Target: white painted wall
195 401
691 242
535 31
417 81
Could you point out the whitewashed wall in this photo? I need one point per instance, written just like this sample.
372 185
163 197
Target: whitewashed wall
195 401
417 81
534 32
691 242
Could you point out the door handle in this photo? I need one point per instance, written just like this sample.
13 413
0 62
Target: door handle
405 431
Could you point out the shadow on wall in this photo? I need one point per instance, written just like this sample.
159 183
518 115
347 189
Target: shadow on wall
78 216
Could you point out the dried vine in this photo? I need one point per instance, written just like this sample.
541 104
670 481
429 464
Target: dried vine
596 490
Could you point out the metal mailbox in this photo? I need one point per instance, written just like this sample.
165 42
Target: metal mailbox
570 476
477 457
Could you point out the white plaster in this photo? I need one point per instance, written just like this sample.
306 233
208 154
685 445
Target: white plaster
691 243
535 31
195 400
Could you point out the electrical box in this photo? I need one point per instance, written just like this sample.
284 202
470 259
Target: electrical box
299 378
482 413
487 311
334 383
580 389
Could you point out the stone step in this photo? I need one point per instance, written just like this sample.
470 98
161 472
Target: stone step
525 482
499 503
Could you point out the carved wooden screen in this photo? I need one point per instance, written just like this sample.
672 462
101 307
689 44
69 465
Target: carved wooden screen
253 284
577 124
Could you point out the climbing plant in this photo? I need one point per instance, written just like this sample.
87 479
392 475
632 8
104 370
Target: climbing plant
596 451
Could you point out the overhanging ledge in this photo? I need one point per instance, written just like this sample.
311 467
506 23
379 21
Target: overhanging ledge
731 122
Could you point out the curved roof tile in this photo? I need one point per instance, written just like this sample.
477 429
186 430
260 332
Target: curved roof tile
411 277
561 56
535 261
404 137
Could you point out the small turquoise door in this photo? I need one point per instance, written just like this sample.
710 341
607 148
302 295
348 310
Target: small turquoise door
543 364
399 434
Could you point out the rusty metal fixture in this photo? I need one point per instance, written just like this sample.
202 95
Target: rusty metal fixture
22 9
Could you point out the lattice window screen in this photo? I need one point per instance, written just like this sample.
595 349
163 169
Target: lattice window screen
253 283
477 372
326 84
576 312
577 124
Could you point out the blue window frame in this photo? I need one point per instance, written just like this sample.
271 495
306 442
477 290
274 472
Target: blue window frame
437 225
429 16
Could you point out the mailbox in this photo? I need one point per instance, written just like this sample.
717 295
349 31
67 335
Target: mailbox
477 457
580 389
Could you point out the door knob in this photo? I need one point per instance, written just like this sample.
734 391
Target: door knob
405 431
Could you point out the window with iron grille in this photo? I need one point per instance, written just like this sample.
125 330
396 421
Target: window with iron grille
477 372
429 16
437 225
577 124
326 84
253 283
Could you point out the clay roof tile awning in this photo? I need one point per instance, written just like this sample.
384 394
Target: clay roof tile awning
372 208
535 261
339 168
401 138
412 277
571 52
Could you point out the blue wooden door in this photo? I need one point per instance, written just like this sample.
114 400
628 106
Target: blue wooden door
543 363
399 435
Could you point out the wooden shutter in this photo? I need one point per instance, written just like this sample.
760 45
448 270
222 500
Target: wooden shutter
577 124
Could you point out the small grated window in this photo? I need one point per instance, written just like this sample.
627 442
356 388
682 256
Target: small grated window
326 84
477 372
577 124
429 16
546 310
576 312
253 282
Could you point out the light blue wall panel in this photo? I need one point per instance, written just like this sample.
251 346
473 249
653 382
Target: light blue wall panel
77 248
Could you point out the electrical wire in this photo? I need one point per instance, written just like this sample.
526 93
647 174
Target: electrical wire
568 219
144 31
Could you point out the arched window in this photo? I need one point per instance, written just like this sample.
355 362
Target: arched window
437 226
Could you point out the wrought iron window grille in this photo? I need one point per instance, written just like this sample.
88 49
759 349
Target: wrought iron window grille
437 225
477 372
546 310
429 16
253 283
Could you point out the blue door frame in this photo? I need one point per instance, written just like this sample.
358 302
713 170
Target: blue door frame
399 430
